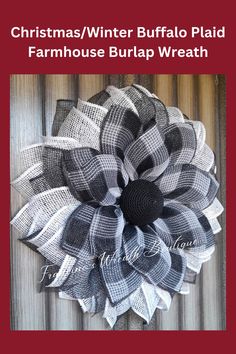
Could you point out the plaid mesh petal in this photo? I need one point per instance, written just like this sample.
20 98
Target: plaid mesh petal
83 281
105 233
119 129
184 228
148 107
146 252
118 97
119 278
75 238
101 178
180 141
189 185
173 281
147 157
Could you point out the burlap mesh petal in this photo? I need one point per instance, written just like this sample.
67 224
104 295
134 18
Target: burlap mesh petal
204 158
81 128
30 155
93 111
55 223
63 108
175 115
22 183
119 98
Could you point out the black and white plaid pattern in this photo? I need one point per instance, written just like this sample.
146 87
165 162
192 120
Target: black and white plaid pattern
101 179
174 279
93 230
189 185
119 129
84 280
181 227
75 236
148 107
106 229
119 278
146 252
147 157
181 143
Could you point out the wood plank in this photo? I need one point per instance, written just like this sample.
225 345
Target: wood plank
164 88
189 306
62 314
27 304
210 291
88 86
221 175
57 87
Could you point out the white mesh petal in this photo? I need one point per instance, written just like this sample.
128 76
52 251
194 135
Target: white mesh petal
81 128
63 273
93 111
64 143
41 208
214 210
118 97
204 158
175 115
196 258
30 155
57 221
22 183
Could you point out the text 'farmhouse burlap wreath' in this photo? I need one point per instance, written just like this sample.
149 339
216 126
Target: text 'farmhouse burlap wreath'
121 201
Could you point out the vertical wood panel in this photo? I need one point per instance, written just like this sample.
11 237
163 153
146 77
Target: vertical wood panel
62 314
88 86
164 88
210 290
57 87
27 304
189 305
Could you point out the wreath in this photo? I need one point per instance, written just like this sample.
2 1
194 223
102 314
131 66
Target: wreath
121 202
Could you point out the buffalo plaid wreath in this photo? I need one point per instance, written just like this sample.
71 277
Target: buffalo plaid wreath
121 202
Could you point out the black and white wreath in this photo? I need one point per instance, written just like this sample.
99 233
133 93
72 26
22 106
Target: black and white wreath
121 202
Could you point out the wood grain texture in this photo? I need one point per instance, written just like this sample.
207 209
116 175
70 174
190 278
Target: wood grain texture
28 307
62 314
33 100
189 306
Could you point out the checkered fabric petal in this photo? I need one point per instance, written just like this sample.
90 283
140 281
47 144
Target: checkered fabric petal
94 176
75 238
184 228
120 128
146 252
189 185
181 142
120 279
147 157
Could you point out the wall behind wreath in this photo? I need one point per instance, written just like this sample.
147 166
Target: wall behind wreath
33 101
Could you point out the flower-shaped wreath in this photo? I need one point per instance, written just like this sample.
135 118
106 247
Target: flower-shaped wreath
122 201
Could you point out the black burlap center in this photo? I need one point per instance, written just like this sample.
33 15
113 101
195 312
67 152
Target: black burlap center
141 202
